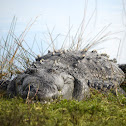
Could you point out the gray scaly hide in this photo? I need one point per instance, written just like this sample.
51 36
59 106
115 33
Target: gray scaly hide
68 74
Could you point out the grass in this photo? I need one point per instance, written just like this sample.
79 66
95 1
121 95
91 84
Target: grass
99 110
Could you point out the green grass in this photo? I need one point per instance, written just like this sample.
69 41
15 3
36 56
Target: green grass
100 110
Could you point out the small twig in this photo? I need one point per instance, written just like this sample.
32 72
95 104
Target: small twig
28 100
35 94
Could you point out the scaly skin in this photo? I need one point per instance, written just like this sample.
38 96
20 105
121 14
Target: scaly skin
68 74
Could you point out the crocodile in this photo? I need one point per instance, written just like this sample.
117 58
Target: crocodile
66 74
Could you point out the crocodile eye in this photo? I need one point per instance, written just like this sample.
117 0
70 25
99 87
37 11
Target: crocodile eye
50 70
74 65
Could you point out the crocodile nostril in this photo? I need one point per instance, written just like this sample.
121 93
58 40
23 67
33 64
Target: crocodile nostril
50 70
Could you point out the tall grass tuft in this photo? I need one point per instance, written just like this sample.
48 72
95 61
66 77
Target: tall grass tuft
14 58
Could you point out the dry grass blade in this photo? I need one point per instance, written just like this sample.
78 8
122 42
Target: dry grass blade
63 44
79 36
96 40
28 100
12 51
7 47
17 41
82 26
51 39
124 12
22 39
50 35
